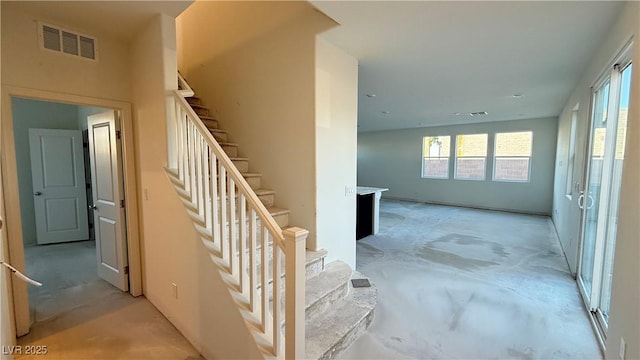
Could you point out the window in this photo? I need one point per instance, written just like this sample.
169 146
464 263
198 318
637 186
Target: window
436 150
513 156
471 156
572 152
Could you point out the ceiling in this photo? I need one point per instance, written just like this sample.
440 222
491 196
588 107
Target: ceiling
121 19
432 63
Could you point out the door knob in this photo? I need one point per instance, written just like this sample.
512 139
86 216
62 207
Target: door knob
93 207
37 193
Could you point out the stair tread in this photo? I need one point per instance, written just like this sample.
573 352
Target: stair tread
207 117
333 330
218 130
334 275
227 143
311 255
251 174
277 211
260 192
239 158
199 106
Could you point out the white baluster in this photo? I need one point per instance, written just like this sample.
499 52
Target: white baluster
224 245
243 244
253 260
277 314
265 278
215 213
233 234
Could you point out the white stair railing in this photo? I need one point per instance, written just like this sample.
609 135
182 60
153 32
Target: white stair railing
244 240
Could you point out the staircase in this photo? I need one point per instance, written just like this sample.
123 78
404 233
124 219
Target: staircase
252 244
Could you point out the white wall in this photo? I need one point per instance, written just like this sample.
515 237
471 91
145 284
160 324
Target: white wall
625 306
253 64
34 114
336 137
393 159
172 251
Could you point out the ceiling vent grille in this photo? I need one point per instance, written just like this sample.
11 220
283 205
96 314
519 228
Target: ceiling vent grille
67 42
478 113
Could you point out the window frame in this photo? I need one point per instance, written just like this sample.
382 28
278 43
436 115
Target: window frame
484 168
496 157
425 157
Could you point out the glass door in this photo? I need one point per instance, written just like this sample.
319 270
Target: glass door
600 199
614 197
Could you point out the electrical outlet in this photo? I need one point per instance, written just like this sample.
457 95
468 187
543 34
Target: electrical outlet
174 290
623 348
349 190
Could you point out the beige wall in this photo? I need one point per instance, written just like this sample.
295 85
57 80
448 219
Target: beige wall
253 64
625 306
24 64
336 128
173 253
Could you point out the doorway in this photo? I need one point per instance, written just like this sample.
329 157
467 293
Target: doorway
599 201
72 159
11 189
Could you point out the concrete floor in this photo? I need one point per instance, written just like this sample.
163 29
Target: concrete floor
456 283
79 316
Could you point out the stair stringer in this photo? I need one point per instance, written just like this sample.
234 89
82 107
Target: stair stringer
251 319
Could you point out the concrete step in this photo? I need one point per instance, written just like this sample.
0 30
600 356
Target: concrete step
254 179
280 215
231 149
201 110
209 122
241 163
326 288
314 262
334 330
219 135
194 100
266 196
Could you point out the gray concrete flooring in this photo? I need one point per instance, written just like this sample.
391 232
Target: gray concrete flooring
79 316
456 283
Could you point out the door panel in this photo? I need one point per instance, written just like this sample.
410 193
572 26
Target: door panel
600 202
60 200
111 247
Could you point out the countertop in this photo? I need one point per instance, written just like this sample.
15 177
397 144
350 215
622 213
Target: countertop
364 190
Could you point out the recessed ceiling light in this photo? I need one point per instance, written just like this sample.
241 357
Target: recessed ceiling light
478 113
386 112
371 95
517 96
456 113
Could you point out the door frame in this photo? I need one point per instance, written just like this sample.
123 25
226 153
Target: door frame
623 57
15 244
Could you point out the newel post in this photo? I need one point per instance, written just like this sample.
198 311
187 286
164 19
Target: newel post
295 243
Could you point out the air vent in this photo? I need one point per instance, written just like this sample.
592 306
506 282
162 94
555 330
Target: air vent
478 113
67 42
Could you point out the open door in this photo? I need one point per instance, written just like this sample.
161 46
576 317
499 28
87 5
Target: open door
108 200
60 200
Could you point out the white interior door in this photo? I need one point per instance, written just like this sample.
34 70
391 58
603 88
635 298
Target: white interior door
108 200
59 196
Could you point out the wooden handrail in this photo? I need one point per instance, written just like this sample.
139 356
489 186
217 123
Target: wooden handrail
233 172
